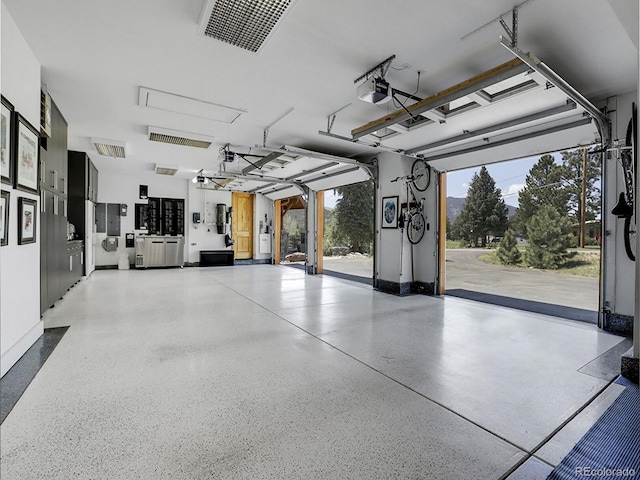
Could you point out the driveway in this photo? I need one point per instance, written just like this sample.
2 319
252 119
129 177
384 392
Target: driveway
358 265
465 271
468 277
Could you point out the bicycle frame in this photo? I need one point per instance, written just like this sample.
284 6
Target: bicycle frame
412 217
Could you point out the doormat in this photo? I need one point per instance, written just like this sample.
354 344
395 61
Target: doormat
611 447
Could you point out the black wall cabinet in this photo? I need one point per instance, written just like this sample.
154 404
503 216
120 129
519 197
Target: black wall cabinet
165 216
60 260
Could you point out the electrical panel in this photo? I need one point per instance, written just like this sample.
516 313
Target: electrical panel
209 213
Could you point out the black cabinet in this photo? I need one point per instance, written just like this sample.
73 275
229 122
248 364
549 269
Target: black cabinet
173 216
83 189
164 216
83 177
154 215
92 182
53 155
56 275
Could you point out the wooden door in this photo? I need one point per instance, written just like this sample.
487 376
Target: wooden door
242 224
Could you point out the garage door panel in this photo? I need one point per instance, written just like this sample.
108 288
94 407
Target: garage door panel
580 136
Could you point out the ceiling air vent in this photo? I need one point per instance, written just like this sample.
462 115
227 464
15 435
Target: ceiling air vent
165 170
110 148
243 23
176 137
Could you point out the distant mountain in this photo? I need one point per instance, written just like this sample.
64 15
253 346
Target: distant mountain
455 206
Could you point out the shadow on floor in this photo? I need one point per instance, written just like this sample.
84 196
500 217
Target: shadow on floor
333 273
570 313
347 276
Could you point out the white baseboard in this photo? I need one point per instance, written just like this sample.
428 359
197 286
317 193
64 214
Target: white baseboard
11 356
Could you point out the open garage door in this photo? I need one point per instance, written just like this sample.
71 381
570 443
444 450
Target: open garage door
290 171
504 247
518 109
506 113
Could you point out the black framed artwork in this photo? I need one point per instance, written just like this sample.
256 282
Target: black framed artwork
390 212
27 151
6 141
27 215
4 218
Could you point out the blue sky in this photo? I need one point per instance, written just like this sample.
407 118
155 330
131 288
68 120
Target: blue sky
509 177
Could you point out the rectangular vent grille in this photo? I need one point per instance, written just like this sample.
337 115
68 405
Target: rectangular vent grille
174 140
243 23
161 170
110 148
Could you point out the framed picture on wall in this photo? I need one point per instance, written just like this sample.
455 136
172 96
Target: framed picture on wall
4 218
27 214
6 141
390 212
26 157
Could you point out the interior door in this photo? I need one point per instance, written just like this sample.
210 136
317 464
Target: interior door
242 224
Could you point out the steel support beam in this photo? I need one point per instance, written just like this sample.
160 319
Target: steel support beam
257 178
260 163
602 121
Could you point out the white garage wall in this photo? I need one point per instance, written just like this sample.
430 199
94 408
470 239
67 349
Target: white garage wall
263 209
117 188
202 236
619 282
20 323
392 246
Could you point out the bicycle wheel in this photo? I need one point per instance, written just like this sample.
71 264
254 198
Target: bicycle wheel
415 227
630 237
422 175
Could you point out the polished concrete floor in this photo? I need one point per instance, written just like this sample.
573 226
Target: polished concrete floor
264 372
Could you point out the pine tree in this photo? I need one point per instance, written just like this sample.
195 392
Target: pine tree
572 162
353 216
484 212
549 238
508 252
544 185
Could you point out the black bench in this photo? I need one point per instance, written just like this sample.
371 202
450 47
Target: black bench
216 258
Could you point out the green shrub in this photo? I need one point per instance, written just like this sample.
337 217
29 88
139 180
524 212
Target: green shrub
508 252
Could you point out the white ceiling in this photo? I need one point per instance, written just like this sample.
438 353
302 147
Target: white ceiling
96 55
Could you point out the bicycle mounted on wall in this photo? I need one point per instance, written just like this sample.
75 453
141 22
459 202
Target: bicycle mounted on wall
625 208
411 213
